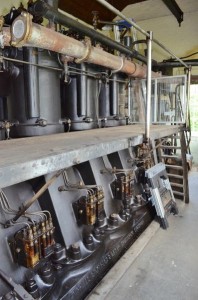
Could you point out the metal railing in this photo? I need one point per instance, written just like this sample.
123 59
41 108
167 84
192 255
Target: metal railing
147 34
150 39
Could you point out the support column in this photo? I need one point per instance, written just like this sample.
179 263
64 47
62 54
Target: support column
148 95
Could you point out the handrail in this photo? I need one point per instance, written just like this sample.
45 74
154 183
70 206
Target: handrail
118 13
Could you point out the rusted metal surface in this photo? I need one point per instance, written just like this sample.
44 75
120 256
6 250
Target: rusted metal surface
41 9
42 37
6 36
45 38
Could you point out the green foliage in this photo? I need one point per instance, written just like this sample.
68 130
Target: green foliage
194 107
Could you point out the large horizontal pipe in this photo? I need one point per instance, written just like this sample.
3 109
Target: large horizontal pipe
26 33
42 9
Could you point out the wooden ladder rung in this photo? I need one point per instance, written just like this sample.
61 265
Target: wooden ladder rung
174 167
170 147
177 184
175 176
170 156
178 193
181 166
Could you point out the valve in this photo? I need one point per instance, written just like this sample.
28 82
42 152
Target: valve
7 125
95 19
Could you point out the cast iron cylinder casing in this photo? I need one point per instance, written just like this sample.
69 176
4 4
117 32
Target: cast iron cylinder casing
92 102
34 100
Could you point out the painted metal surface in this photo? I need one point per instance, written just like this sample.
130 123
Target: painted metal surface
24 159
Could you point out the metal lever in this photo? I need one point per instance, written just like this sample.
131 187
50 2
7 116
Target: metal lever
19 290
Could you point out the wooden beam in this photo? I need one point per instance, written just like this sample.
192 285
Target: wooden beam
83 9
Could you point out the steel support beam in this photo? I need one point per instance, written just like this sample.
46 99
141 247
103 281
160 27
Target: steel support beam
175 9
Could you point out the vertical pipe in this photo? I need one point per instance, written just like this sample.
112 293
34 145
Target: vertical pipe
104 106
188 98
3 108
82 91
31 83
54 5
148 95
129 99
114 98
155 103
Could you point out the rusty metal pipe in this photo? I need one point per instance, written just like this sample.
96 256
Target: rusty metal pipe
42 9
26 33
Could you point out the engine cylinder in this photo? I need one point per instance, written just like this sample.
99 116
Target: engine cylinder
34 101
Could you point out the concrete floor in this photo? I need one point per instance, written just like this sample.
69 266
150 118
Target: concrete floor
167 268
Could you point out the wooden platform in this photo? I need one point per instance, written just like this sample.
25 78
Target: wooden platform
26 158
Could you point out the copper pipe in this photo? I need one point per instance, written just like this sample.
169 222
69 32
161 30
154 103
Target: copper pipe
26 33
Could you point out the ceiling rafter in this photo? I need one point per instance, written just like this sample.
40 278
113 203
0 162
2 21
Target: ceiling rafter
83 9
175 9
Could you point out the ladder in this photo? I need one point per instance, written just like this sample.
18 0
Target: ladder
173 155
